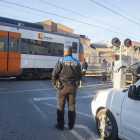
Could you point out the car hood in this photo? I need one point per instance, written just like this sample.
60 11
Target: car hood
111 98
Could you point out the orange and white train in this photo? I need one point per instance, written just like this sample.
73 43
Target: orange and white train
29 51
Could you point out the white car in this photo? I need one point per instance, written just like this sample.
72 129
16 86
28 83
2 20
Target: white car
117 113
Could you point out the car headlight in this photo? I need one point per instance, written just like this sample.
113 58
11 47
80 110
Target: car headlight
95 96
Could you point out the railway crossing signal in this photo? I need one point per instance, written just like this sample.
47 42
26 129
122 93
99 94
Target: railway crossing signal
116 42
127 42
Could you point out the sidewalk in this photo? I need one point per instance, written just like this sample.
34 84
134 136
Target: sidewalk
95 84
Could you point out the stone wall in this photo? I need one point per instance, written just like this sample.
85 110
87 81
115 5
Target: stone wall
64 29
46 24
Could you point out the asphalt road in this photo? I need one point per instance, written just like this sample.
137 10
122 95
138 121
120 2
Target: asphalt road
28 110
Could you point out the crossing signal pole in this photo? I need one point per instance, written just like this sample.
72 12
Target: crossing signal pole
128 43
116 42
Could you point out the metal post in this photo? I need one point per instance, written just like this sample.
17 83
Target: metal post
120 52
132 54
132 79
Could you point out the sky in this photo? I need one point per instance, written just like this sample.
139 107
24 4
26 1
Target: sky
97 19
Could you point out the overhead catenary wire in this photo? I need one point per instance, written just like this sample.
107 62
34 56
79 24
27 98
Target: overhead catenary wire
64 17
121 9
85 16
115 12
91 34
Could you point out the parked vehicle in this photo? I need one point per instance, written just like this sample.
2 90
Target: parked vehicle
117 113
131 73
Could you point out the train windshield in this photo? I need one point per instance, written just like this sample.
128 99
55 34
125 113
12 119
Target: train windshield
81 50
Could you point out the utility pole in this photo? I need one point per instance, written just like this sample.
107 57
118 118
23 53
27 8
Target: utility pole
120 52
132 54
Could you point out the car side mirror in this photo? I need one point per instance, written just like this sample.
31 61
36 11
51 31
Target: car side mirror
132 92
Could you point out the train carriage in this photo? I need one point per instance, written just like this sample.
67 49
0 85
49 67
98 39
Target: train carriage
28 51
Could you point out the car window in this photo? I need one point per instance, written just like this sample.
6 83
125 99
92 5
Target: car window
134 67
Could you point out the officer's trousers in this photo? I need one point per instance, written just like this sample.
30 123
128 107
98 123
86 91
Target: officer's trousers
67 93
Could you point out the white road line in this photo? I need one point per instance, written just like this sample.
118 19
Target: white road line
67 110
92 134
36 107
54 98
77 135
44 98
86 129
63 136
27 90
84 97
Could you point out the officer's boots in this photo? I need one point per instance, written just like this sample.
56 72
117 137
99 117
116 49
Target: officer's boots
71 116
60 120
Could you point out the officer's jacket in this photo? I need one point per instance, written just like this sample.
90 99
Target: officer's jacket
67 69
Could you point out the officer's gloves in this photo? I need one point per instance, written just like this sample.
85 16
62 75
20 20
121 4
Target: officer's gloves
77 83
55 86
58 85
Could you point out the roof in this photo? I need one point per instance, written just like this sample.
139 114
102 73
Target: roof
38 30
95 45
22 23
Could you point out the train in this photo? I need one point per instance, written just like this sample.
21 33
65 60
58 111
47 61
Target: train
28 51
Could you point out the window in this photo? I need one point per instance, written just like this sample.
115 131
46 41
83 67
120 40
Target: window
134 67
41 47
2 43
14 44
138 92
81 50
74 47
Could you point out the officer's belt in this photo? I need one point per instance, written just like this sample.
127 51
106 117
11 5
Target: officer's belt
69 83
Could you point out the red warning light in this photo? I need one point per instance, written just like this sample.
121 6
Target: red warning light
116 42
128 42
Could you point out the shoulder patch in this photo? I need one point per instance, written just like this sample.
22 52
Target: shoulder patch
69 58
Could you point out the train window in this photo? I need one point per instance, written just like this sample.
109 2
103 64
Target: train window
74 47
81 50
57 49
41 47
2 43
14 44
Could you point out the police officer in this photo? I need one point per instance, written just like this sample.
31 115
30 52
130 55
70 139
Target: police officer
84 67
66 78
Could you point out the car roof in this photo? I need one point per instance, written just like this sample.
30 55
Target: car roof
136 63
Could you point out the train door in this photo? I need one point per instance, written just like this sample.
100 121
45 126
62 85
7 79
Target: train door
9 52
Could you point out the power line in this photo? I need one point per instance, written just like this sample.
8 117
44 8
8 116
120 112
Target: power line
16 16
84 16
115 12
63 17
38 15
121 9
89 33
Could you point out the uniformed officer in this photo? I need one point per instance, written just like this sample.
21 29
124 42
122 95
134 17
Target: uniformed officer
66 78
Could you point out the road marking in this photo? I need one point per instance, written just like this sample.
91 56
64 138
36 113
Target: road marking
54 98
77 135
63 136
67 110
36 107
93 136
27 90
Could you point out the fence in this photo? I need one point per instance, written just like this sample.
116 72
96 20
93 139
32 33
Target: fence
94 61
